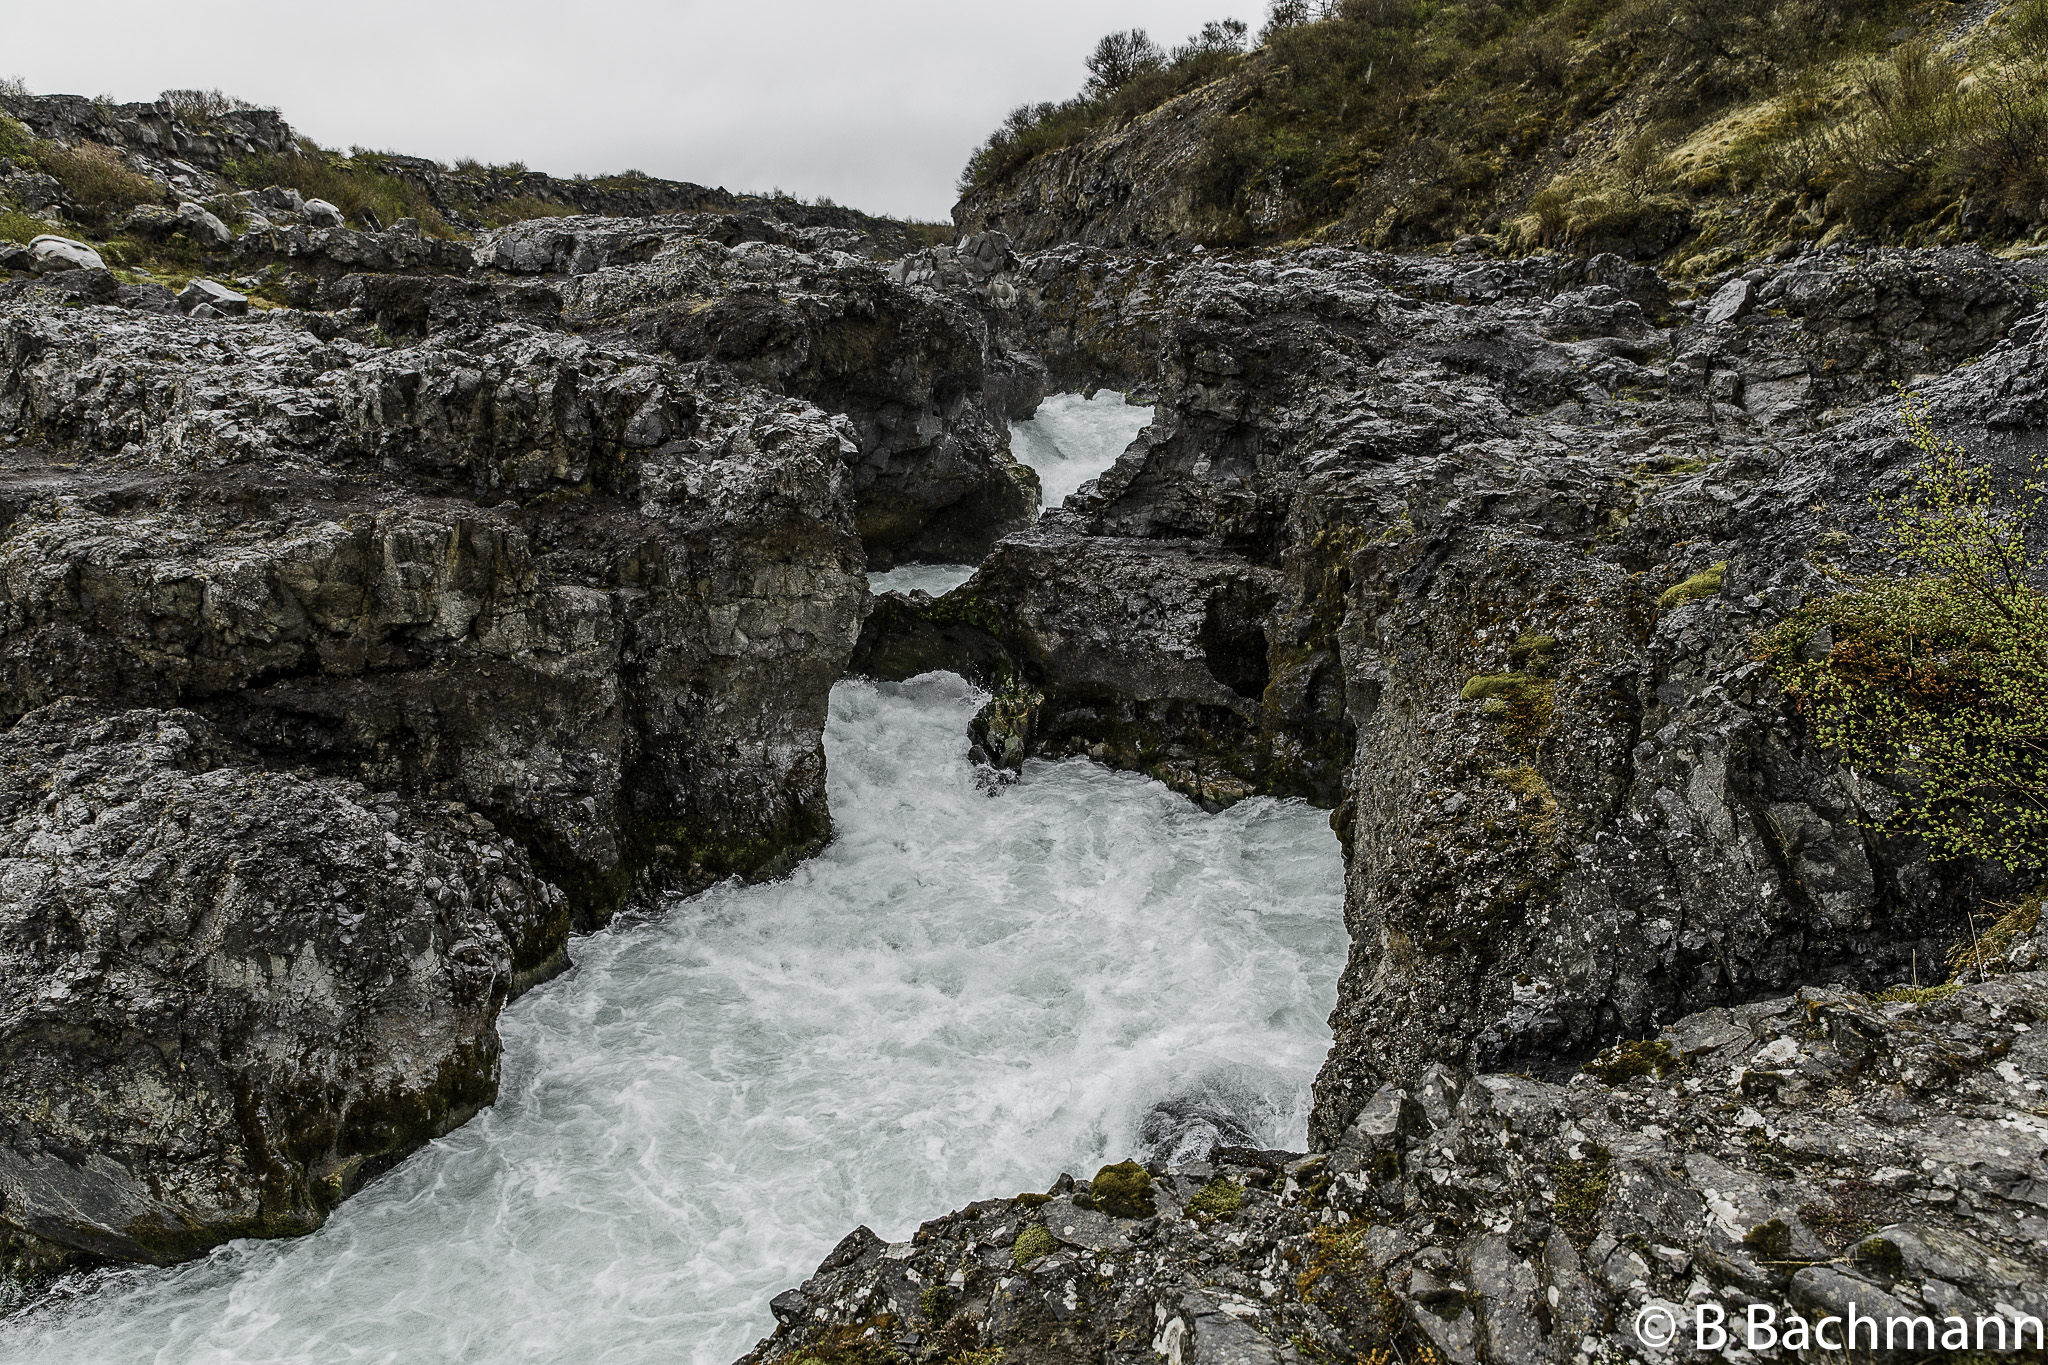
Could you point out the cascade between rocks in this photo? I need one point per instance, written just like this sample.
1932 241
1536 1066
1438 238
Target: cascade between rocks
973 988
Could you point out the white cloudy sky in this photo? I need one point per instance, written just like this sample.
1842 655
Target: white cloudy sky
875 104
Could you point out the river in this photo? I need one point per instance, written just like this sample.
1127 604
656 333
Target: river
973 988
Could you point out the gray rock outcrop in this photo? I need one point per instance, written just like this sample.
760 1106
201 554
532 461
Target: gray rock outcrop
1400 539
229 994
1801 1153
578 605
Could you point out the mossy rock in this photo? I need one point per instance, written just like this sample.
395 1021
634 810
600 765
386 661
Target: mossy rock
1771 1241
1581 1190
1032 1243
1523 705
1882 1255
1219 1200
1122 1191
1623 1062
1706 583
1531 652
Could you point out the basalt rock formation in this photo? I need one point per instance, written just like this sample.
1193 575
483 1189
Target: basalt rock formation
1475 553
1404 537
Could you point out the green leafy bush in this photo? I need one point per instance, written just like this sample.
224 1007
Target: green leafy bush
1937 680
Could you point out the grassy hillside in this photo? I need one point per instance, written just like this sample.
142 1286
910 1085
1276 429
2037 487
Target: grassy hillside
1696 130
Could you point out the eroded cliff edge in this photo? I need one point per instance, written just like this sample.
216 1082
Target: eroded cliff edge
356 653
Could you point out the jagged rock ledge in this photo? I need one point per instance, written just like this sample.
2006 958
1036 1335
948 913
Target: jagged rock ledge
1805 1153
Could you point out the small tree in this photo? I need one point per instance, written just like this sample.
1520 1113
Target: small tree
1219 35
1121 58
1939 679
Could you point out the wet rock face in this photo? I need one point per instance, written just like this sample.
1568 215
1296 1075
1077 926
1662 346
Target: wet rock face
228 995
395 665
598 596
1802 1152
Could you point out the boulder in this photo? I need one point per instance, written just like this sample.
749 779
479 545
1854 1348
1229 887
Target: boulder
224 301
53 254
322 214
205 230
151 222
229 994
1729 303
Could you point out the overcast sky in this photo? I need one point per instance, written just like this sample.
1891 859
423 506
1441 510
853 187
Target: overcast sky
875 104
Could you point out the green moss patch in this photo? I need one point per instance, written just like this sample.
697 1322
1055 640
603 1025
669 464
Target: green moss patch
1123 1191
1219 1200
1704 584
1624 1062
1032 1243
1524 705
1581 1190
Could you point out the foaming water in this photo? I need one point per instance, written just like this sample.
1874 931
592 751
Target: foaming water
962 996
936 579
1072 439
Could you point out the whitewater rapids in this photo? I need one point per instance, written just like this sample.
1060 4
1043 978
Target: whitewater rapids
972 989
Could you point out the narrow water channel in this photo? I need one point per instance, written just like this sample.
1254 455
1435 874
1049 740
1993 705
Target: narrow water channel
971 990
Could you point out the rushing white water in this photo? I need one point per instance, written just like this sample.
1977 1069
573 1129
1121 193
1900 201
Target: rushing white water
965 994
1072 439
936 579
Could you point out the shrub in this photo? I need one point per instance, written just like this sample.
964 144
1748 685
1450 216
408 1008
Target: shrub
1938 680
1119 58
16 142
351 184
22 227
205 108
1128 76
96 180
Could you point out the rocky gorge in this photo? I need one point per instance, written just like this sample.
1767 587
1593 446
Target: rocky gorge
370 633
